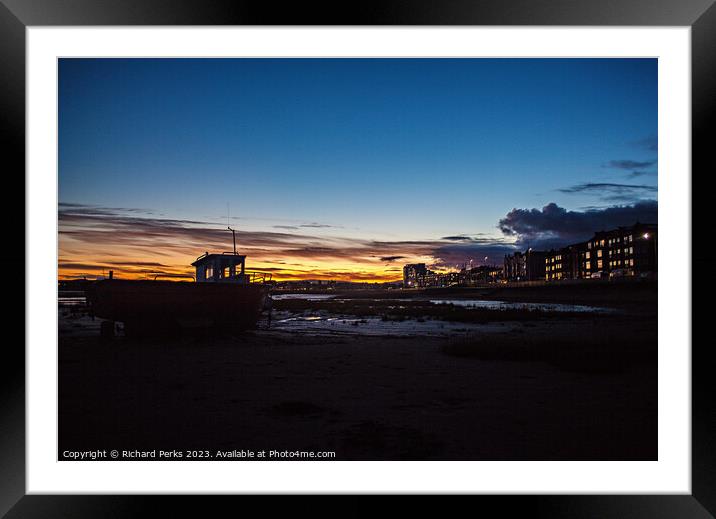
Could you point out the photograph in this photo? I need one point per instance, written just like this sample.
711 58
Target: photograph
338 259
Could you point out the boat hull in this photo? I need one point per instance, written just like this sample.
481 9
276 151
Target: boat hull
161 305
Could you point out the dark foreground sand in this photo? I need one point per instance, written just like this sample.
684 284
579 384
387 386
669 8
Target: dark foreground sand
369 398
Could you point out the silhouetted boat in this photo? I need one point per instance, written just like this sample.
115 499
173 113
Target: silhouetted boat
222 295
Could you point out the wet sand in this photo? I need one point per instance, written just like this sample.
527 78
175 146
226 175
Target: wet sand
369 397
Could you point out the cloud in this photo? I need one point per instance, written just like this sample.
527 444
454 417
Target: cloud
637 174
612 192
94 239
630 164
473 239
136 244
74 208
451 255
649 143
318 226
460 237
554 226
137 263
635 169
390 259
307 226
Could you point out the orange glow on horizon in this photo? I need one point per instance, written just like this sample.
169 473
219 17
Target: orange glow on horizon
74 264
94 241
180 273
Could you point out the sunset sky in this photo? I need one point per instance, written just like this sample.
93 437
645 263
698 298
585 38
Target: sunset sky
347 168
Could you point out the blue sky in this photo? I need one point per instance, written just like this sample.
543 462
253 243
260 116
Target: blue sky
386 149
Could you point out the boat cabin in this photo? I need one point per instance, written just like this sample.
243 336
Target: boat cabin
221 268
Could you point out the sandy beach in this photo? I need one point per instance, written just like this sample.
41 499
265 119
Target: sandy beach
576 388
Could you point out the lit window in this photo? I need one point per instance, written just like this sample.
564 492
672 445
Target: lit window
599 253
599 264
588 255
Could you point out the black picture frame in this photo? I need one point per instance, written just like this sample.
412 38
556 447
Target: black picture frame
700 15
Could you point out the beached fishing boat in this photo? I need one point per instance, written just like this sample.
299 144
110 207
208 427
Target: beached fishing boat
222 295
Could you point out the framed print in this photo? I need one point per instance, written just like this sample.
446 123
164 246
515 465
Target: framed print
409 252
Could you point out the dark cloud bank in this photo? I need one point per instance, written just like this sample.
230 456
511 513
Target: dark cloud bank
555 226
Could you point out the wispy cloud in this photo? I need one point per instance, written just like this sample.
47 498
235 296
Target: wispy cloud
319 226
633 168
93 240
459 237
630 164
390 259
612 192
638 174
650 143
313 225
141 245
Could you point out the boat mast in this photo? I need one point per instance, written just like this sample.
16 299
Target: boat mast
233 234
228 225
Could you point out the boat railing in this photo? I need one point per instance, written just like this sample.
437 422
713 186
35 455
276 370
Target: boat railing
258 277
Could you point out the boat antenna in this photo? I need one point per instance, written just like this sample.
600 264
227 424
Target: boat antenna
228 225
233 234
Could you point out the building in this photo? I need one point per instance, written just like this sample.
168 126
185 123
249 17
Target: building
563 263
621 252
625 251
417 275
515 267
484 274
527 266
414 275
